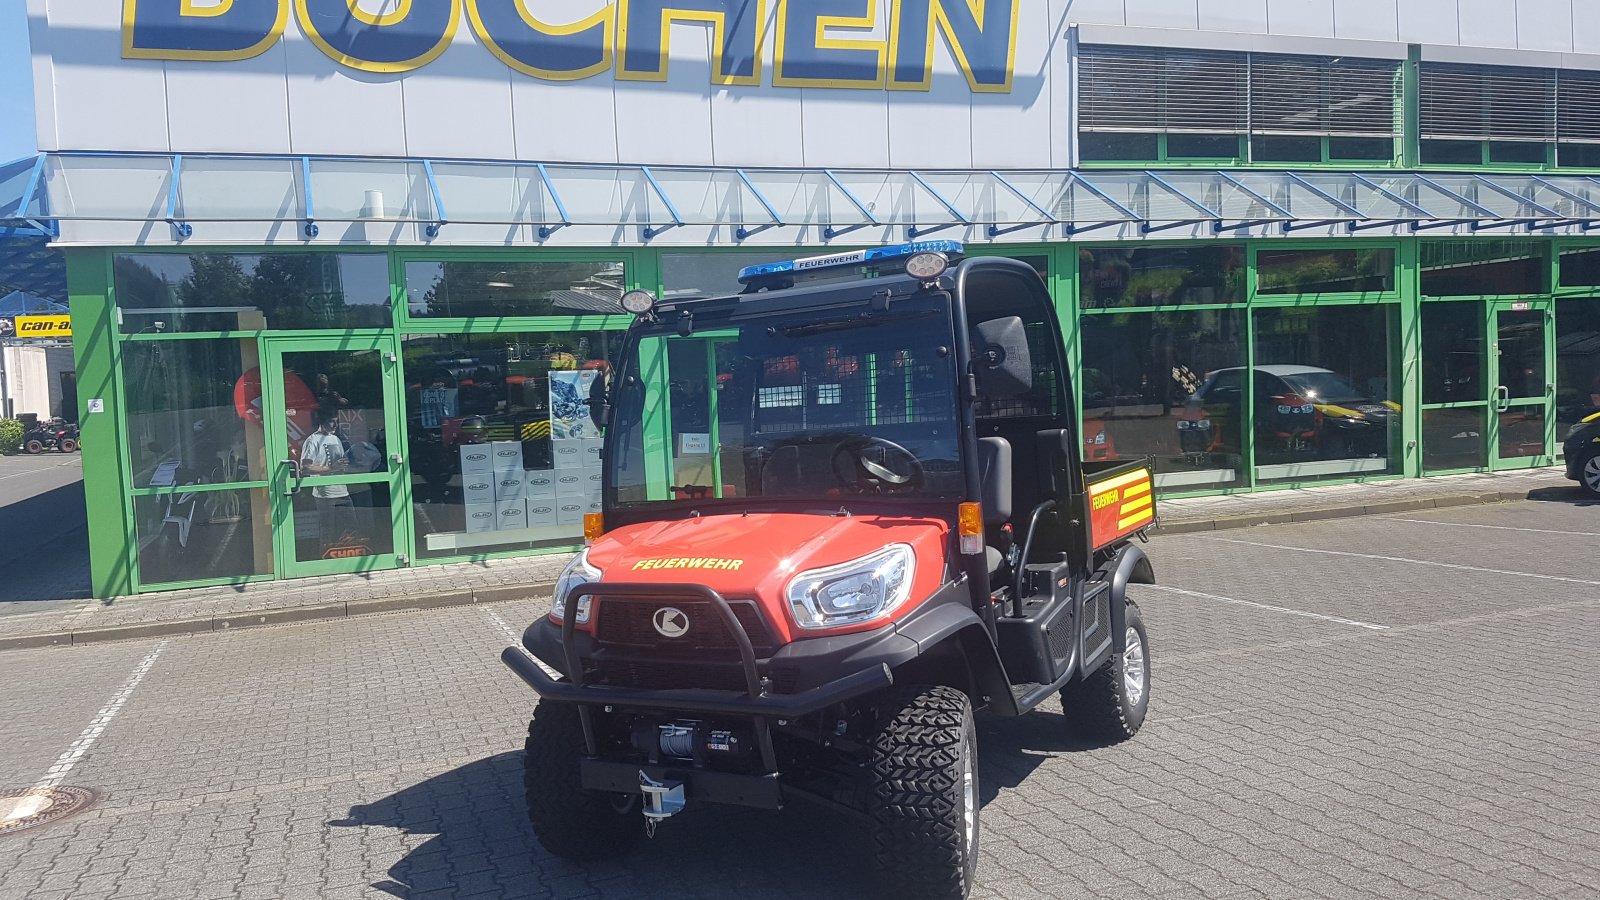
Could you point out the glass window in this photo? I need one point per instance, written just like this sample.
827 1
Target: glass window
497 424
1283 148
164 293
343 522
193 412
1453 353
1580 268
1112 146
1168 385
190 536
1362 149
1578 156
1453 439
1452 153
1577 362
1323 404
1362 271
1202 146
464 290
709 274
1483 268
1112 277
1523 152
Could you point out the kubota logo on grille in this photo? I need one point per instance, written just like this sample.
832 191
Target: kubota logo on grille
671 622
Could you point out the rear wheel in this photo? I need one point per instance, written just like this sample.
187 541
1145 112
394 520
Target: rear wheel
923 794
1110 705
68 445
1589 474
569 821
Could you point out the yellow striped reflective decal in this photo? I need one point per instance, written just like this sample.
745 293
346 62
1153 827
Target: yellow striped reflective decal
1137 490
1100 486
1136 504
1138 517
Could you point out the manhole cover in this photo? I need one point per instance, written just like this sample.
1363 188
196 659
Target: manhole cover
20 809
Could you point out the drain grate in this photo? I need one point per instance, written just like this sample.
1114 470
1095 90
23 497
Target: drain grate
32 807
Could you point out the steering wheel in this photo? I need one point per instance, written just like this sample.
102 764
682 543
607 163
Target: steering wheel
863 467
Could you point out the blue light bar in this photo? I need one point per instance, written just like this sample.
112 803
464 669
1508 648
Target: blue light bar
853 258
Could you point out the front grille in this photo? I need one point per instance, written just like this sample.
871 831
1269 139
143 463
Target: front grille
631 624
670 675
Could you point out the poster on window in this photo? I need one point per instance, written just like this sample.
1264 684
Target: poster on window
569 408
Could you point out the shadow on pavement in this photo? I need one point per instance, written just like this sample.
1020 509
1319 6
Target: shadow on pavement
44 546
1563 494
482 842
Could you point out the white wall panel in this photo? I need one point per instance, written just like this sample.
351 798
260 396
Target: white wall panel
44 101
1547 24
1015 130
932 128
1163 13
1305 17
1239 16
670 121
1430 22
337 110
101 99
1371 20
1586 28
1487 23
1097 12
459 105
568 121
239 108
758 125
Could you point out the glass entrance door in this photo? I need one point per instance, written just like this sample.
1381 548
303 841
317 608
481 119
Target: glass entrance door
1522 413
335 480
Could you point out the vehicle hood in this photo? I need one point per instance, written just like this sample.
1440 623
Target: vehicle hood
754 556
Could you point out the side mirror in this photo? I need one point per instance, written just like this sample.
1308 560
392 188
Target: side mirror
599 403
1000 357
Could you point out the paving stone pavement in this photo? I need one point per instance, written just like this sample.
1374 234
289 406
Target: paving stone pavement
1385 707
227 607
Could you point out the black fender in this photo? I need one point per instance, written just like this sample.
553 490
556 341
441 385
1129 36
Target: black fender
1129 566
955 625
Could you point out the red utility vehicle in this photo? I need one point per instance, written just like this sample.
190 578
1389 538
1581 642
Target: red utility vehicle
889 526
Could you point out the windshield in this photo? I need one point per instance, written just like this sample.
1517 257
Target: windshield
804 405
1323 387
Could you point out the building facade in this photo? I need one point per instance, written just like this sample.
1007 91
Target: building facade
1290 241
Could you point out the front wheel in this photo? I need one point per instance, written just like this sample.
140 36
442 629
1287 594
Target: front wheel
1589 474
569 821
923 793
34 446
1110 705
68 445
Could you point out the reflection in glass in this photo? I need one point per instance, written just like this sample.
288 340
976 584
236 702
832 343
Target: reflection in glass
1580 268
685 275
1166 385
191 536
466 290
1161 276
1483 268
1521 352
1323 402
1453 352
1454 439
1364 271
1522 432
342 522
1577 362
166 293
480 432
193 412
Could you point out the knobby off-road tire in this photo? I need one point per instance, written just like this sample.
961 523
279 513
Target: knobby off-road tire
569 821
69 446
923 794
34 446
1109 706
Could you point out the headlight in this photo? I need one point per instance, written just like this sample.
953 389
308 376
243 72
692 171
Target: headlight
577 572
855 591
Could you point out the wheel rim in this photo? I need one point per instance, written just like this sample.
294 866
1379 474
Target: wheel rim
1133 668
969 794
1591 474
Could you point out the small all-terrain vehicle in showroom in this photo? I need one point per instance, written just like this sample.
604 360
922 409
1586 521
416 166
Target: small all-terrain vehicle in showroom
876 522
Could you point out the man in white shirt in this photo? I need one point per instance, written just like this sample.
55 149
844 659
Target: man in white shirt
323 453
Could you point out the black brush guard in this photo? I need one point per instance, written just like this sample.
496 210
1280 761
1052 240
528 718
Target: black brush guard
753 702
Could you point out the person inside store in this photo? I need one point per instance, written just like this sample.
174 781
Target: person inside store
323 453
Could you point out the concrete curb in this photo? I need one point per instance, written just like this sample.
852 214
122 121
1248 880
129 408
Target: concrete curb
1288 517
229 621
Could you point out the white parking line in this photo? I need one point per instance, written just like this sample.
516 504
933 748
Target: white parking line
516 641
74 753
1267 606
1415 562
1495 527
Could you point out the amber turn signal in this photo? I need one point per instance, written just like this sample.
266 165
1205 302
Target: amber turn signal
969 525
594 526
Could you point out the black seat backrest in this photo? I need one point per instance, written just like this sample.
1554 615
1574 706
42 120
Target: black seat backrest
994 465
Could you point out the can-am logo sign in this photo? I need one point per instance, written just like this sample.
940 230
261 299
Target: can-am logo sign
815 43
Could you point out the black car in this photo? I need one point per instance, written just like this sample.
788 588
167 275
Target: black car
1583 454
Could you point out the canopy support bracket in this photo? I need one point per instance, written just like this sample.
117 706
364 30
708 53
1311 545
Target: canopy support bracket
309 227
441 218
1074 228
651 231
546 230
1291 227
831 232
1147 228
996 230
181 228
1445 223
913 232
742 232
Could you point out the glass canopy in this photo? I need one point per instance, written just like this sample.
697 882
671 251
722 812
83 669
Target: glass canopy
181 190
